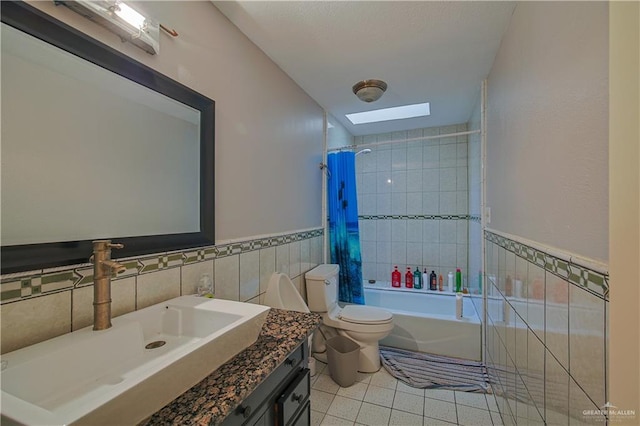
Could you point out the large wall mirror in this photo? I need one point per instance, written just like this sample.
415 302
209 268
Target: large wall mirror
96 145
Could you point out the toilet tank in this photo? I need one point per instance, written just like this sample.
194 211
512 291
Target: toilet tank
322 287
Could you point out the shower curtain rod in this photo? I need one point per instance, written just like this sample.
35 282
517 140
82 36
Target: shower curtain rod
470 132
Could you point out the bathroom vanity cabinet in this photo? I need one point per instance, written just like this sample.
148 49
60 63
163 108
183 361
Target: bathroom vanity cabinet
282 399
266 384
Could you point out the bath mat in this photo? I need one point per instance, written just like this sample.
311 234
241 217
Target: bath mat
428 371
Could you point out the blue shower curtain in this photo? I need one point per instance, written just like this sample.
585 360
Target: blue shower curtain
343 226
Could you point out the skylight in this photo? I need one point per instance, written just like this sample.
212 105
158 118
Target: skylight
386 114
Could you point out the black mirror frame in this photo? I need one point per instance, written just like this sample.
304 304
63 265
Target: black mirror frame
30 257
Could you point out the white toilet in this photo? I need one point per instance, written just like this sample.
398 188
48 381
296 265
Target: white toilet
365 325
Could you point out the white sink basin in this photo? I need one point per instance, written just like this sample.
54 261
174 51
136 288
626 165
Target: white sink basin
110 376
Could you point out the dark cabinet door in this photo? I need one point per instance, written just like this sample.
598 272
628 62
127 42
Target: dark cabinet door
293 399
304 418
285 390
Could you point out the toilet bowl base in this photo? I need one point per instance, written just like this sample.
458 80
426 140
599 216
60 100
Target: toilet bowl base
369 359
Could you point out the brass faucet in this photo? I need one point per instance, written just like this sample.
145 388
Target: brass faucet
103 268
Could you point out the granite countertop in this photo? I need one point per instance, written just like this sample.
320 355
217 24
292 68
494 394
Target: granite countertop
215 397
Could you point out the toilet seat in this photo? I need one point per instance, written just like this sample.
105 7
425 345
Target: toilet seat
358 314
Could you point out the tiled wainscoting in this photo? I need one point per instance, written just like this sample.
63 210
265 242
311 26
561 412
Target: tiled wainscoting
39 305
546 333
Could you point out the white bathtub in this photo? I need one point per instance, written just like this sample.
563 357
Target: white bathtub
425 321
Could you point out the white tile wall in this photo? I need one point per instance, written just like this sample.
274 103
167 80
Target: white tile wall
473 185
547 355
35 320
267 266
428 177
294 259
282 259
123 296
191 274
156 287
249 275
82 307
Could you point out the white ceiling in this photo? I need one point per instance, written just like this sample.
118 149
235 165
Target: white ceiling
437 52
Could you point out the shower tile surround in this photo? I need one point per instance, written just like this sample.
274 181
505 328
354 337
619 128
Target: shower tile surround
42 304
413 202
546 334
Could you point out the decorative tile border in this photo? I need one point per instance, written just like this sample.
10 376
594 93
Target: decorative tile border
580 275
18 286
199 255
420 217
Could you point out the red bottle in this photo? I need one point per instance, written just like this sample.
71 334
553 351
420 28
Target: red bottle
408 278
395 277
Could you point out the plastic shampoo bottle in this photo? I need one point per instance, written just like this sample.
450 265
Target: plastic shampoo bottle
459 305
417 279
395 277
458 280
408 278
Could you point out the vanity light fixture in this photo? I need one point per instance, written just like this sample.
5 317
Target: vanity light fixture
130 16
121 19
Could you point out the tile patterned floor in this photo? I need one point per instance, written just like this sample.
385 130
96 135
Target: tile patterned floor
379 399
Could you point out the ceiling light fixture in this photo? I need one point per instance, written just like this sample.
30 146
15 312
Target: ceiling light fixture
369 90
